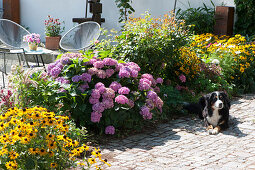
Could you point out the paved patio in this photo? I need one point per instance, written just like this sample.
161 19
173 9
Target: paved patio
184 144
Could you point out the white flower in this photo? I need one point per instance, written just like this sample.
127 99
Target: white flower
215 61
238 52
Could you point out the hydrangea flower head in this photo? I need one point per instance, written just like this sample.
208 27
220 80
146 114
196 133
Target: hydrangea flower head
110 130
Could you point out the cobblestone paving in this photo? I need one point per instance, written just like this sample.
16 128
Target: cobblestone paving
184 144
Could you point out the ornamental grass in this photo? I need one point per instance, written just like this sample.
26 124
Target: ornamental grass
34 138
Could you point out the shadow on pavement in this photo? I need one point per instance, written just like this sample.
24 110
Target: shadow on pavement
233 128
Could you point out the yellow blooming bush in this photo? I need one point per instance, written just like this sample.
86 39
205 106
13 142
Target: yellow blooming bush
235 56
35 138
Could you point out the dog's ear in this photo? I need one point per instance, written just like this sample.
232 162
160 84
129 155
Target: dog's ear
225 98
203 101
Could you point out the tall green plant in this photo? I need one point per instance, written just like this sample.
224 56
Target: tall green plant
245 11
201 19
125 9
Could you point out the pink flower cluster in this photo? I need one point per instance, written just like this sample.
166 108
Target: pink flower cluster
182 78
106 95
101 97
5 99
110 130
32 38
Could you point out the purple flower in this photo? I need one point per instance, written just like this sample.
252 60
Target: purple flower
115 86
182 78
98 64
110 62
98 107
134 73
134 66
93 100
131 103
62 80
60 66
123 90
159 81
86 77
149 103
121 99
124 73
65 60
55 71
101 74
98 85
144 84
178 87
108 103
83 87
92 71
95 94
109 93
151 95
158 102
157 89
95 117
110 130
147 76
120 65
109 72
92 61
50 67
145 112
76 78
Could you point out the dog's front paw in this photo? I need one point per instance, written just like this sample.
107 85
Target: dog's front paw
214 131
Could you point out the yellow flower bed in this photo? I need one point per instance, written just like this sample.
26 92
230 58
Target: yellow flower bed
37 138
241 51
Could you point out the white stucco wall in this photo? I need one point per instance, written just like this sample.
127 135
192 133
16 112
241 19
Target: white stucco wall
34 12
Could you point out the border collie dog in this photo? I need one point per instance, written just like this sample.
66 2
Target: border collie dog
213 108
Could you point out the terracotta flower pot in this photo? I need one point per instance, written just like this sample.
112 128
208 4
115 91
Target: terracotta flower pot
32 46
52 43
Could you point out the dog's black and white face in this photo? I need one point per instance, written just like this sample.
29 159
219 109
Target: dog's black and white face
217 100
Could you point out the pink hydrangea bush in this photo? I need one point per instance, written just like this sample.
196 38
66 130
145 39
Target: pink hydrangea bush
104 94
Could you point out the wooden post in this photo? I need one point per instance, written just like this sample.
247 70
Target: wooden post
12 10
224 20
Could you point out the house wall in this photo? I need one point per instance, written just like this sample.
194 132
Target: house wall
33 13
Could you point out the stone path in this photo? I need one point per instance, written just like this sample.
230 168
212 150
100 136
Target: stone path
184 144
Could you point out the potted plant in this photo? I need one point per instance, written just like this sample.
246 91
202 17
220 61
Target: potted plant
33 41
53 30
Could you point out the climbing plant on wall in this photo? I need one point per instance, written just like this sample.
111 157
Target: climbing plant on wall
125 9
245 11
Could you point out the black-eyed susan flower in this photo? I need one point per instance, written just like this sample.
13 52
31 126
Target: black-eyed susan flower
42 152
33 151
92 161
11 165
51 145
13 155
53 165
50 136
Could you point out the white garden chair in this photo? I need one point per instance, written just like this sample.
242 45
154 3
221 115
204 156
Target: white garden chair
80 37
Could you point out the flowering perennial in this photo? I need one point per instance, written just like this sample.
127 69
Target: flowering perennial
105 83
41 138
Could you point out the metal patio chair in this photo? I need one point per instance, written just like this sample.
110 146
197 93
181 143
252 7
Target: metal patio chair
11 35
80 37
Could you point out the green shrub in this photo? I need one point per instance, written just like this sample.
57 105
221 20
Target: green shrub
245 10
150 42
101 94
200 19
